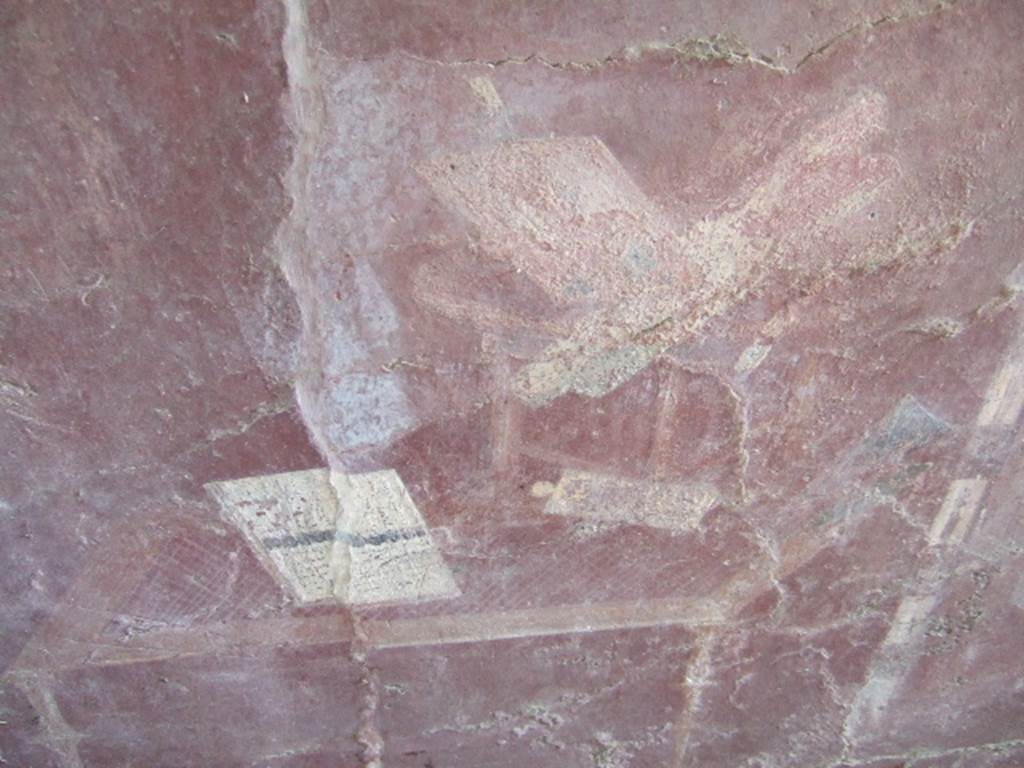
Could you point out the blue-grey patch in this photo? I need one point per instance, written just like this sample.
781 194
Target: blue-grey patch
640 257
363 322
909 425
849 508
367 409
576 288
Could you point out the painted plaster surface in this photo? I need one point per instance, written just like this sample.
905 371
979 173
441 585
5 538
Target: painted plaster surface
335 537
481 384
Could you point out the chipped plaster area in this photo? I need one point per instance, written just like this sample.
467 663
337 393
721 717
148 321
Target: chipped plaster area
565 215
562 209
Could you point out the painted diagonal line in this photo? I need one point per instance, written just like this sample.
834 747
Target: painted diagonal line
960 505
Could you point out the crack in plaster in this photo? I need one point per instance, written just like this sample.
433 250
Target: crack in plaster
698 674
867 26
717 47
294 251
368 734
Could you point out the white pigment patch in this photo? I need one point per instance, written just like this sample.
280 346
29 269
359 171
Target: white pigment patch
286 507
562 210
567 214
752 356
961 505
484 88
909 617
1004 397
357 539
391 555
678 506
871 701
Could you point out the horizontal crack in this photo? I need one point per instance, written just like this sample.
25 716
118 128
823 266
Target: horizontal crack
718 47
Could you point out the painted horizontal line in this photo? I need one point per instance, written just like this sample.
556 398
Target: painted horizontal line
449 629
353 539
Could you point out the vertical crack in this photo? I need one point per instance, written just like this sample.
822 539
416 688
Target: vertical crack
698 676
296 254
370 739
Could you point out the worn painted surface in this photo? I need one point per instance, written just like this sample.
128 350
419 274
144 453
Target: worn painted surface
335 537
495 384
